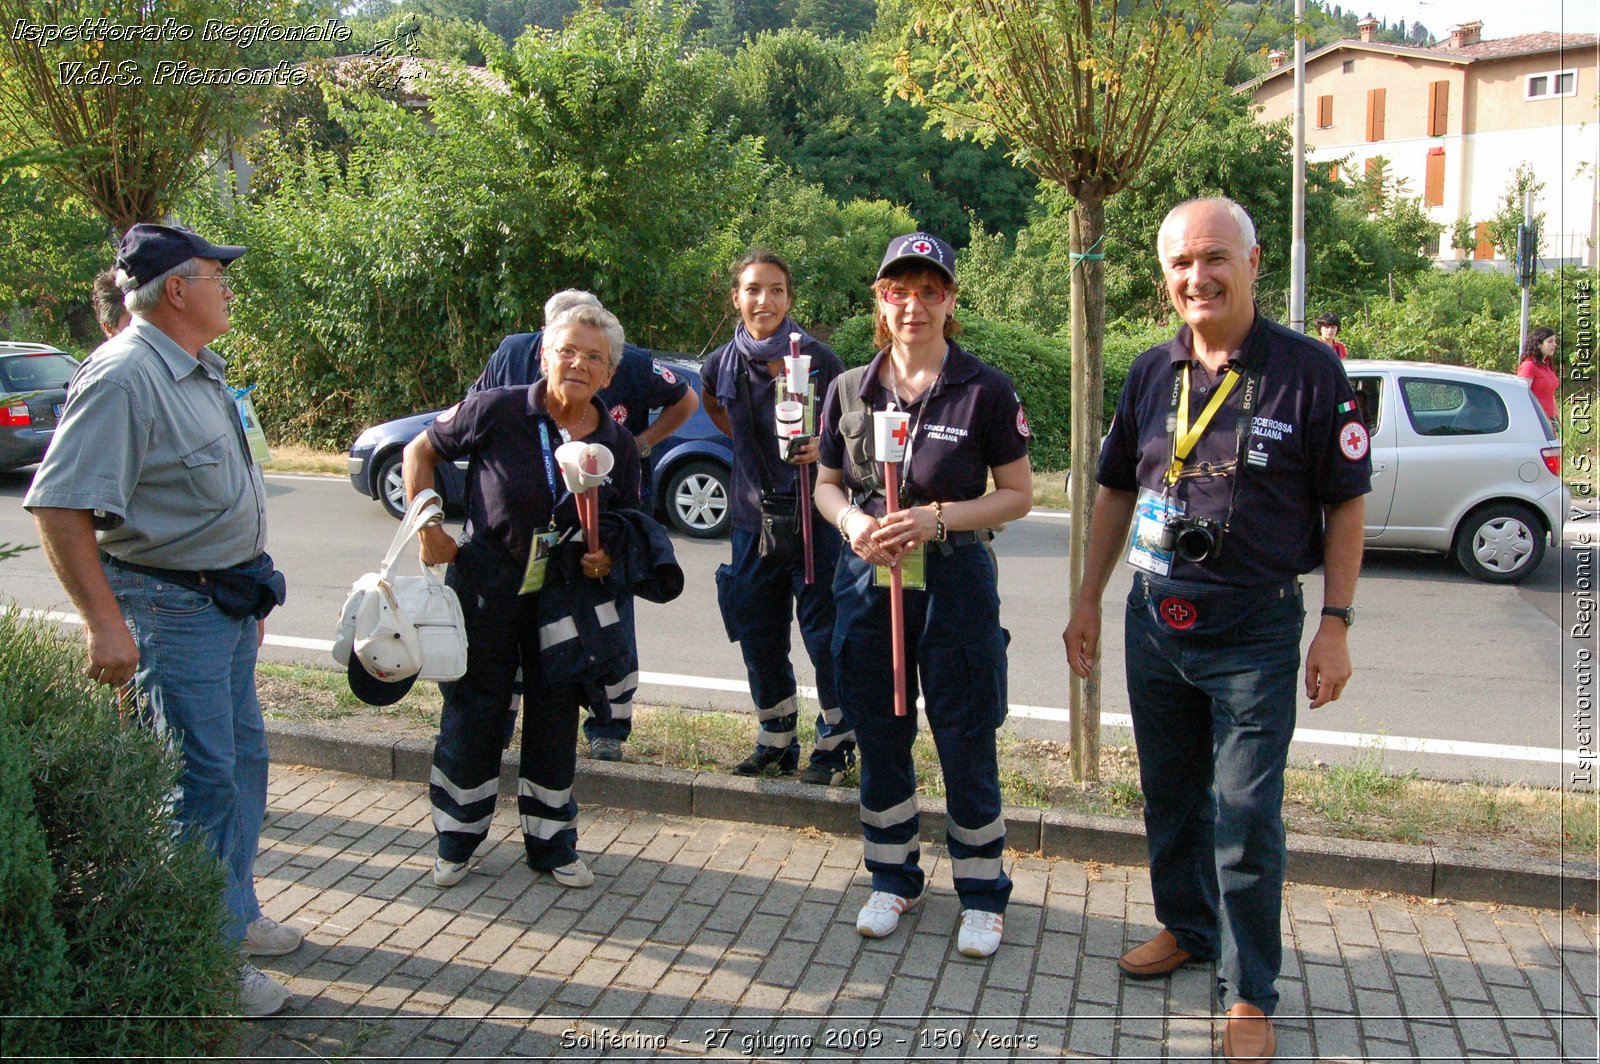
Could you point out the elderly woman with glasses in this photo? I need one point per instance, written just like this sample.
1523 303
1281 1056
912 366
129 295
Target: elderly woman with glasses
966 426
518 510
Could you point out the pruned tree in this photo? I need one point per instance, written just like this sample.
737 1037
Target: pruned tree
1080 92
119 108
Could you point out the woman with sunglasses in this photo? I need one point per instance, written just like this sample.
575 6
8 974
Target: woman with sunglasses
966 425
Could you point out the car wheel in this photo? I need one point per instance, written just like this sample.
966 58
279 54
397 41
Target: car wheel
391 485
1501 544
697 499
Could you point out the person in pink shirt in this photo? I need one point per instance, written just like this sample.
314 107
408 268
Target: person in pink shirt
1538 366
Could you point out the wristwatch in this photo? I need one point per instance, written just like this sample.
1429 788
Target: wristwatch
1347 614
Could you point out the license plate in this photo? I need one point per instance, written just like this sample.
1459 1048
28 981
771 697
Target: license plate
55 408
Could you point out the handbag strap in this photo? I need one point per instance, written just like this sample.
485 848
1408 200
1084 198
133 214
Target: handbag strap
425 510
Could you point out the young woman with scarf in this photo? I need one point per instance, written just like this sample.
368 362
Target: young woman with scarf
758 592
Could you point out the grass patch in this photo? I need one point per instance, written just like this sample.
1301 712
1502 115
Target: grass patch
1050 490
1353 801
293 458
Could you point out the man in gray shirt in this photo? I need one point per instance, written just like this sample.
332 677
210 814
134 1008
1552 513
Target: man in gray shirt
152 454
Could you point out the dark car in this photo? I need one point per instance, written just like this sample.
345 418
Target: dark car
689 484
33 386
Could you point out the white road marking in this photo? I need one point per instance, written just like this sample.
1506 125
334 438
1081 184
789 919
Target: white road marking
1399 743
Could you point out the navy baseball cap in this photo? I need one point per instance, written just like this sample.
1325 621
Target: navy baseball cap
923 247
148 251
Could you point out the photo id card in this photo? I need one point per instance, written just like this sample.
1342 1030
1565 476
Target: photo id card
538 561
1149 521
253 432
913 570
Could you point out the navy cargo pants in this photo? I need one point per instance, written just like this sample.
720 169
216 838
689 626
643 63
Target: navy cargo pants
956 654
759 599
503 634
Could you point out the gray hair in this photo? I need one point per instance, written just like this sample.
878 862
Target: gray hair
596 316
1247 228
147 296
565 300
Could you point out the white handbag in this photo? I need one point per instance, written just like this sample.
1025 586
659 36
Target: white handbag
405 626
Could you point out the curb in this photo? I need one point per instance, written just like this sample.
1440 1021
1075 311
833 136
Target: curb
1421 871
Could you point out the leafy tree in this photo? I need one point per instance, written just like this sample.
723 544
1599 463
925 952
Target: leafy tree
835 18
1080 92
1503 226
122 137
52 243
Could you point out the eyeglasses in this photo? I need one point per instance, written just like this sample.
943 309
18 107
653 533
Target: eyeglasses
572 354
224 282
928 297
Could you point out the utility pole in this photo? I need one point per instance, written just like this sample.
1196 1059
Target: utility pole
1297 243
1527 257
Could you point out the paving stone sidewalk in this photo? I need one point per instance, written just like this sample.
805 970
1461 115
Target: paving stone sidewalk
735 941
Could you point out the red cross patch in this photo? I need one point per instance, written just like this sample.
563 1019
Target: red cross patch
664 373
1179 613
1353 441
619 414
922 247
1022 423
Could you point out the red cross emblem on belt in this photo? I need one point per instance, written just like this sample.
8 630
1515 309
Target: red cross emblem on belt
1179 613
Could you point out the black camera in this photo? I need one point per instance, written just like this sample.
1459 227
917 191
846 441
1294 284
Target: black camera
1194 539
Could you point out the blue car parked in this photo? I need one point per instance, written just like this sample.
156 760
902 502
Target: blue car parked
688 485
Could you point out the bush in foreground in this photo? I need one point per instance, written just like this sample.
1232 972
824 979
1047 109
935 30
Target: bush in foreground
147 971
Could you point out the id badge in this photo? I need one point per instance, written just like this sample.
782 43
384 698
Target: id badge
538 561
913 570
809 425
1149 520
253 433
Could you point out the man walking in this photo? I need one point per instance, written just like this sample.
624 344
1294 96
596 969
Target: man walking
1239 459
152 455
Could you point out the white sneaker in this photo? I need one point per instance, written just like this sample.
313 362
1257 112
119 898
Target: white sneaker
881 914
448 873
266 937
980 932
260 994
576 874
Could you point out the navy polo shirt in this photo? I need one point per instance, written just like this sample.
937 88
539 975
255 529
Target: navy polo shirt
508 492
640 385
967 423
1308 448
719 376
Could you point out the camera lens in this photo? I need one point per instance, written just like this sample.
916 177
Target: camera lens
1169 534
1195 542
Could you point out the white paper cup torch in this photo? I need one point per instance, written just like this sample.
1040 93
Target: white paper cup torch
890 429
595 464
570 457
790 419
798 368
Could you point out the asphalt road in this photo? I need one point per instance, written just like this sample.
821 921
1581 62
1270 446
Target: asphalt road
1474 669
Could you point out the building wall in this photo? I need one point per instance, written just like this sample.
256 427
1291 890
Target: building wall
1491 128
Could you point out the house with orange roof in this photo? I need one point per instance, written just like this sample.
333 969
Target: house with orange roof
1454 121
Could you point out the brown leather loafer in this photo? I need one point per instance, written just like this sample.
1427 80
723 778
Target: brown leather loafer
1160 956
1247 1037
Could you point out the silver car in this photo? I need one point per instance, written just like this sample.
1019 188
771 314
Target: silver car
1463 462
33 387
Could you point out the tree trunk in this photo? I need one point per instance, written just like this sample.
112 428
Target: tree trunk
1088 387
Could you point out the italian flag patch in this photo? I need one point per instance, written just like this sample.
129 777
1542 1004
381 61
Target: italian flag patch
1346 407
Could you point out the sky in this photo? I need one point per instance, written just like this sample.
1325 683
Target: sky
1499 18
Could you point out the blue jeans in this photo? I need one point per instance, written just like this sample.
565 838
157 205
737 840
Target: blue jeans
1212 718
197 684
759 599
956 648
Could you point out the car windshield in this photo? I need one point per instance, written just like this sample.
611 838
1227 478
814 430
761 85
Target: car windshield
33 373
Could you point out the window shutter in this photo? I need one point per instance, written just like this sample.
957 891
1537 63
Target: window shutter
1375 99
1324 112
1433 185
1438 108
1485 248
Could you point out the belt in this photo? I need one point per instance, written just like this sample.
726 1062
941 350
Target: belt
181 577
964 539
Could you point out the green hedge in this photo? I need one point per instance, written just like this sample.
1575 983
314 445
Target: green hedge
1039 365
33 949
147 970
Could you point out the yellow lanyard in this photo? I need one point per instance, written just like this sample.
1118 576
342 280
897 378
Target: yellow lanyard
1185 437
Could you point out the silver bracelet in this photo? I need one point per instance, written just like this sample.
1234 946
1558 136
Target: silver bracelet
843 515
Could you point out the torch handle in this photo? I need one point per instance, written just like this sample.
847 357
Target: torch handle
897 605
589 513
